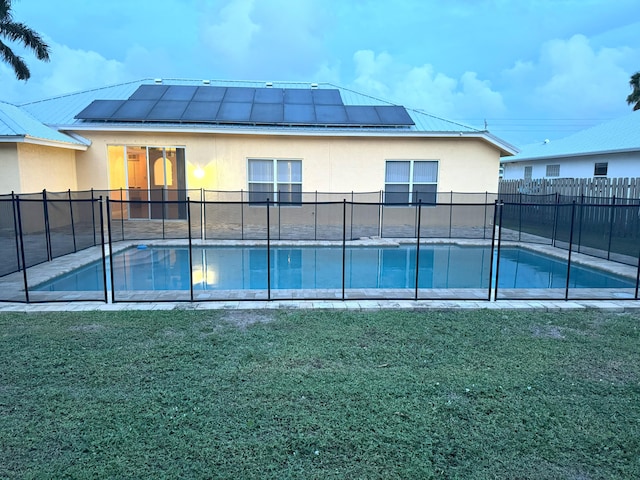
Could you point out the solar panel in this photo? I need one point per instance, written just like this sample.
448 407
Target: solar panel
331 114
100 110
299 114
209 94
234 112
169 110
179 92
134 110
239 94
298 95
267 113
363 115
269 95
393 115
326 97
149 92
200 112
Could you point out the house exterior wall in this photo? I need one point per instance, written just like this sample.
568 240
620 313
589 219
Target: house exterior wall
10 178
49 168
329 164
619 166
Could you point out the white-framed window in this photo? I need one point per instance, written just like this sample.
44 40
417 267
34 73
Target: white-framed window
553 170
528 172
411 181
275 179
600 169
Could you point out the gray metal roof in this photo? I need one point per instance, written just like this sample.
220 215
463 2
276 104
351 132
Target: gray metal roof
17 125
59 112
616 136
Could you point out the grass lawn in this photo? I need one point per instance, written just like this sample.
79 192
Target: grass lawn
320 394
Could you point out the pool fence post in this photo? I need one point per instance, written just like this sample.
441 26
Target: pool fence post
581 222
315 218
418 247
164 207
344 238
637 277
279 200
495 289
381 214
573 211
268 252
190 251
493 244
93 214
15 229
242 213
554 232
47 231
24 263
104 256
113 289
121 212
73 226
612 215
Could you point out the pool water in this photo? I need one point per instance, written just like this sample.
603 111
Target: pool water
240 268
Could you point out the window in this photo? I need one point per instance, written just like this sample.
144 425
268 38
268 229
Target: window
276 180
411 181
600 169
527 173
553 170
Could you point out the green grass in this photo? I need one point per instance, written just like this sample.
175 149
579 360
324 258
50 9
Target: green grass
320 394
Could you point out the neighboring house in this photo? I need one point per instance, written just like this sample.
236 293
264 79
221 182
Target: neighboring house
611 149
272 139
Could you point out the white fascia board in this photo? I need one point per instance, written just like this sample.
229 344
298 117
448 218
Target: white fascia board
42 141
505 148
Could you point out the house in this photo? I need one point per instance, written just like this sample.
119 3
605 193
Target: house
611 149
274 140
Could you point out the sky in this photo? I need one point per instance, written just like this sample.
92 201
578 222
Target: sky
531 69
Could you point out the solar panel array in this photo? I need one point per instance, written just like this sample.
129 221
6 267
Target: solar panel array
243 105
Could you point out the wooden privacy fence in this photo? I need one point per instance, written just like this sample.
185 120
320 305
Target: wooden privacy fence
604 188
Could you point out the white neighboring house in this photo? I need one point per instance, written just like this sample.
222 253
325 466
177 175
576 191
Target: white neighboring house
611 149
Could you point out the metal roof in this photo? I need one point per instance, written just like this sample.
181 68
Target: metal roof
616 136
16 125
59 112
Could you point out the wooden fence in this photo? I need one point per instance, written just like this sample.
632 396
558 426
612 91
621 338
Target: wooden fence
603 188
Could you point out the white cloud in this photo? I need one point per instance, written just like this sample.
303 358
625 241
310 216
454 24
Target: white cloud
580 79
424 88
233 34
70 70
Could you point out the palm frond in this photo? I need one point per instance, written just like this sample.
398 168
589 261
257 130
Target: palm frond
19 32
17 63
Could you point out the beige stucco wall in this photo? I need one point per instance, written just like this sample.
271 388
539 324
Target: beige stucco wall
330 164
49 168
10 178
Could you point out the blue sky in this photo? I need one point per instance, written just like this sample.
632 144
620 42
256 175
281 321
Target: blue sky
533 69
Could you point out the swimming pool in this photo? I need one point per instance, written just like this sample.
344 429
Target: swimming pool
240 268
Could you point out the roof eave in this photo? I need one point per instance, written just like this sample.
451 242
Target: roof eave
42 141
573 155
505 148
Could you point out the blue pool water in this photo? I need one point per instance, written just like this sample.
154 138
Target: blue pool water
239 268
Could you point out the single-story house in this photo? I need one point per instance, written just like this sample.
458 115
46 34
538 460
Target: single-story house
611 149
271 139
